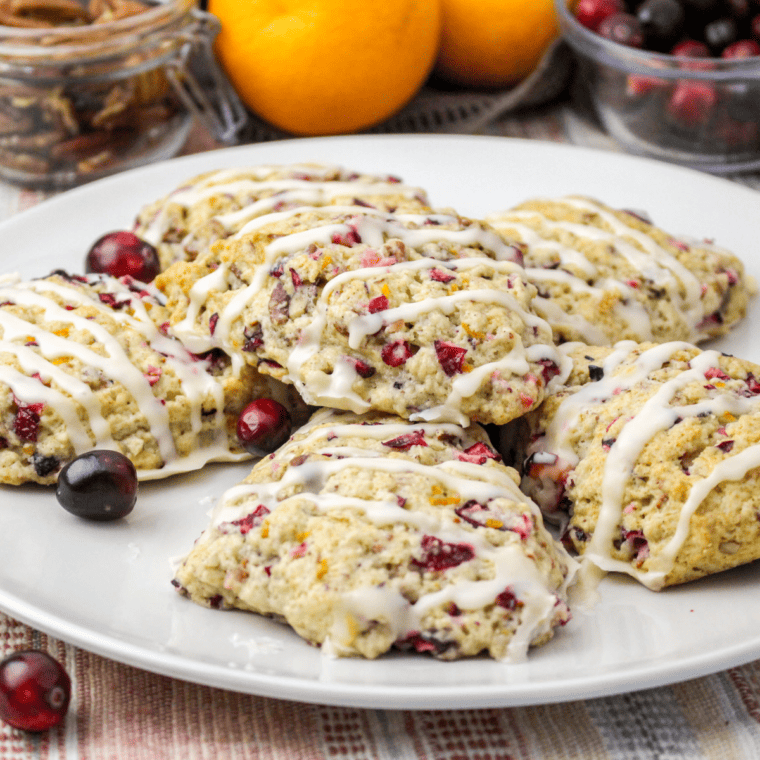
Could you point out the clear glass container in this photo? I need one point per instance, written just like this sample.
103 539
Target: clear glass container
82 102
699 112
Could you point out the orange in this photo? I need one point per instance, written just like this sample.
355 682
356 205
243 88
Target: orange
322 67
493 43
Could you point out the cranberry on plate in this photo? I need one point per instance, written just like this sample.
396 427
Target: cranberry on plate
263 426
34 690
123 253
98 485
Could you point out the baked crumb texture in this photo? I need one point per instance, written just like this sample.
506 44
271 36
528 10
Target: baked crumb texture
368 532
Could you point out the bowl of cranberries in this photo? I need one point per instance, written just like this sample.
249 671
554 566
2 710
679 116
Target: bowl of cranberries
677 80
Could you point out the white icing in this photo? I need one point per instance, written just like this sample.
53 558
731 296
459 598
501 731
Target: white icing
511 568
658 413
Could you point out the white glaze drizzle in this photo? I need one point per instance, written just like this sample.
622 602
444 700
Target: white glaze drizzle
656 415
115 365
654 263
511 567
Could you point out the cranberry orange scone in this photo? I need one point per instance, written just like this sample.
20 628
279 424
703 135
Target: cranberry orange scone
425 316
216 205
651 454
368 532
85 363
605 275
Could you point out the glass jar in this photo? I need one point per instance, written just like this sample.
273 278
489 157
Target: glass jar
82 102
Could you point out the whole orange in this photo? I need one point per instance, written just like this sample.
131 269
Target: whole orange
322 67
493 43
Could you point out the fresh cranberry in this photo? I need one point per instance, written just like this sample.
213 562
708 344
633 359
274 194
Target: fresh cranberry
591 13
123 253
34 690
622 28
691 49
754 26
662 22
721 33
263 426
692 103
742 49
98 485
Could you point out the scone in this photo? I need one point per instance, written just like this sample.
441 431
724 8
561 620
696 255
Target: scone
215 205
365 533
651 455
86 362
605 275
424 316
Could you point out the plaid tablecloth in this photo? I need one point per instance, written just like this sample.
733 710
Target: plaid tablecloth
122 713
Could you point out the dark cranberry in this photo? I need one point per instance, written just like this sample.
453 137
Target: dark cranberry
123 253
591 13
622 28
263 426
692 103
721 33
754 27
34 690
98 485
742 49
662 22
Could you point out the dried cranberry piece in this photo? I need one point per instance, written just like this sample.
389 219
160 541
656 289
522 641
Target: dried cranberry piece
549 369
752 384
478 453
450 357
438 555
395 354
379 303
362 368
440 275
98 485
26 423
263 426
349 238
406 441
123 253
250 521
295 278
34 690
423 642
212 321
507 600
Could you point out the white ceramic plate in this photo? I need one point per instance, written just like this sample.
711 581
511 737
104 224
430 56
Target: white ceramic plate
106 587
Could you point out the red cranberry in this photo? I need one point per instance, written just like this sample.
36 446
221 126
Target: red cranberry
691 49
692 103
622 28
123 253
591 13
263 426
742 49
98 485
34 690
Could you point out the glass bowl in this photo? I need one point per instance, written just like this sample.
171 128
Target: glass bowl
699 112
82 102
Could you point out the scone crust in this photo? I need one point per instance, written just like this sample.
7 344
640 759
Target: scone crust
662 449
